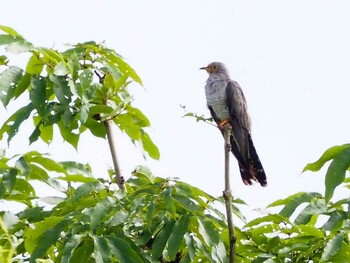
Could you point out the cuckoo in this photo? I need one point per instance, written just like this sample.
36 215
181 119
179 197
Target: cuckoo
227 105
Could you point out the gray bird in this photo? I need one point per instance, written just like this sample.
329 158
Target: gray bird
227 104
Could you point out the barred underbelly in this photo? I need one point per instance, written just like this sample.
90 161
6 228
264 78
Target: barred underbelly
216 99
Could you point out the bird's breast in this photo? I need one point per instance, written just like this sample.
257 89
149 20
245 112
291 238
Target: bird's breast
215 92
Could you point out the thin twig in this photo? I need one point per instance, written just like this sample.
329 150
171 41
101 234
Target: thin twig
118 178
228 195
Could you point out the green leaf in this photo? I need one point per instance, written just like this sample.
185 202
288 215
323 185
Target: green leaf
332 247
35 65
10 31
208 231
47 163
61 89
125 67
126 124
23 84
123 251
68 135
69 246
100 211
8 81
12 124
95 127
138 117
169 204
47 239
336 172
326 156
177 235
335 221
19 47
8 39
186 203
60 69
314 208
293 201
9 178
37 94
101 251
161 239
3 59
149 146
74 65
84 190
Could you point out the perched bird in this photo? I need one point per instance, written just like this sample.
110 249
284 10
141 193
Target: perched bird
227 104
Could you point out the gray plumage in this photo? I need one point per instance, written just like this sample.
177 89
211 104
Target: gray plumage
227 104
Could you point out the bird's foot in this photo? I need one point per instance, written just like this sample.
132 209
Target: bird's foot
228 147
227 194
224 122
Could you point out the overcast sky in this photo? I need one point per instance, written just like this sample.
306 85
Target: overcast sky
292 59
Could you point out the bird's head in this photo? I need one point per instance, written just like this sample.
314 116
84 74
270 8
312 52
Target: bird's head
215 68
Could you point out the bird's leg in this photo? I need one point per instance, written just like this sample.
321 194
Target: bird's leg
227 131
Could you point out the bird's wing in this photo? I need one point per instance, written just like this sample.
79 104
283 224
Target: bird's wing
237 104
239 117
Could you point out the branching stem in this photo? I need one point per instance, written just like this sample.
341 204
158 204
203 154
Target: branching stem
228 195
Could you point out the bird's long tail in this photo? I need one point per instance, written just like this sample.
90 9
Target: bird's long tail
254 165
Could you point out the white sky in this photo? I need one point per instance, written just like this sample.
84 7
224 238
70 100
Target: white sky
291 58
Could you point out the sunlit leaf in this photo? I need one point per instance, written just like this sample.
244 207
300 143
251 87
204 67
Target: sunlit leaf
314 208
35 65
60 69
100 211
10 31
149 146
326 156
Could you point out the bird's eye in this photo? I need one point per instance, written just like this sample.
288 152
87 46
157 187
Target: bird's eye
214 67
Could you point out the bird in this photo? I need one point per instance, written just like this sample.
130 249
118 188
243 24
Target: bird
227 105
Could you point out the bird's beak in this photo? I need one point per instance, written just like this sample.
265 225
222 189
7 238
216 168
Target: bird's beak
205 68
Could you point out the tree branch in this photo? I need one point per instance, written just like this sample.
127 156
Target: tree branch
228 195
118 178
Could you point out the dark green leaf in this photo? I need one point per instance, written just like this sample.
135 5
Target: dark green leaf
332 247
100 211
335 221
68 135
37 94
169 204
208 231
293 201
95 127
61 89
70 245
101 251
162 238
177 236
23 84
47 239
8 81
314 208
187 203
123 251
9 178
336 172
12 124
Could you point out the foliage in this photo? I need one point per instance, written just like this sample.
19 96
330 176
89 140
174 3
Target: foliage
76 90
87 219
